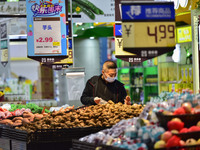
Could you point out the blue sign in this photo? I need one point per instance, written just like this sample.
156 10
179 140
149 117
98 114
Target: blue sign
70 43
118 30
46 28
137 11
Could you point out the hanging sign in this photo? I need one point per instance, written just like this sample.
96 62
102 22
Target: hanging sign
3 30
148 28
184 34
46 30
4 57
119 52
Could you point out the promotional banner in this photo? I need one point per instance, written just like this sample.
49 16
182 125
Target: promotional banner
46 30
92 10
148 28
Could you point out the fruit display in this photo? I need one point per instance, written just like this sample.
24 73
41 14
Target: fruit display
91 116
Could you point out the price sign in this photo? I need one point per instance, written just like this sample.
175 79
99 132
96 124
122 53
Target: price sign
148 28
47 30
45 38
151 34
119 52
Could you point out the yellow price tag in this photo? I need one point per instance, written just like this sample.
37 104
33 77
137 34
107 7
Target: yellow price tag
56 43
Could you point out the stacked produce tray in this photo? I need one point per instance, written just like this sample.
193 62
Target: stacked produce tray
46 138
188 119
78 145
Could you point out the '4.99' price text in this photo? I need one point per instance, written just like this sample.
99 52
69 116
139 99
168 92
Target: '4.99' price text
161 32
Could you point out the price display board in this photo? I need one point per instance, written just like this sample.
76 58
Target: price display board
47 30
119 52
148 28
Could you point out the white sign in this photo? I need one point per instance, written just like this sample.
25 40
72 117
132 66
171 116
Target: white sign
46 40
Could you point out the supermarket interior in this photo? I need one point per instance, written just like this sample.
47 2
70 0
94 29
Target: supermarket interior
50 50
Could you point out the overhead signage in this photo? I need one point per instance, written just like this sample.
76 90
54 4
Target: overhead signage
148 28
93 10
147 11
4 57
184 34
46 30
119 52
3 30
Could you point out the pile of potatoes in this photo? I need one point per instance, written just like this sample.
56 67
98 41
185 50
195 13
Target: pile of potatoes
102 115
26 118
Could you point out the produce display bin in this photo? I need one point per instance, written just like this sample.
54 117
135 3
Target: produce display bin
79 145
188 119
46 138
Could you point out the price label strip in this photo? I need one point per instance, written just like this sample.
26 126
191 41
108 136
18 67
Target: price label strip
46 40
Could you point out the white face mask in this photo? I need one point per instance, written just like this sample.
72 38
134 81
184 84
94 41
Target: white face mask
110 79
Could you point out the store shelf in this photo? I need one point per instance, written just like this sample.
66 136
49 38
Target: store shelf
150 66
131 67
136 86
168 82
151 84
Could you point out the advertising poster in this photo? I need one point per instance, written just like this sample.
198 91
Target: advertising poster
92 10
46 29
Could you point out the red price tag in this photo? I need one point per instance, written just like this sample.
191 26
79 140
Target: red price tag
46 39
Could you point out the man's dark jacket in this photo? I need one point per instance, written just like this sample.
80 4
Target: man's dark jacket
96 85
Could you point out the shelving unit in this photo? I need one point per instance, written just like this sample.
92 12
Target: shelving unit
174 76
134 79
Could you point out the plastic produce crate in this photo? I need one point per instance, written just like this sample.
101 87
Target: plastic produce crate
188 119
4 144
50 139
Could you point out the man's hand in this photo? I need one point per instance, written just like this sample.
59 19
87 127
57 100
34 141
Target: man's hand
98 100
127 100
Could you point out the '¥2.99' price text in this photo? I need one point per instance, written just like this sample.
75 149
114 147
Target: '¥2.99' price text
46 39
161 32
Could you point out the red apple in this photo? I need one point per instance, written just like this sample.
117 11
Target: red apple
166 136
193 129
187 106
184 130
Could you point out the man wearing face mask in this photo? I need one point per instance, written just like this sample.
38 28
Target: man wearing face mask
100 89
